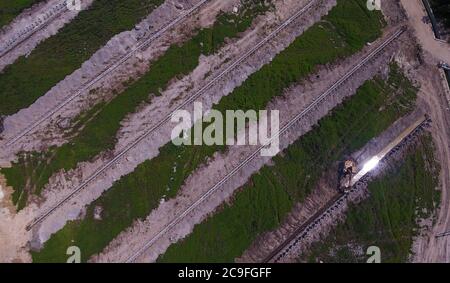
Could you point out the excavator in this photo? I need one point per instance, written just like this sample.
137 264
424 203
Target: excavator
348 171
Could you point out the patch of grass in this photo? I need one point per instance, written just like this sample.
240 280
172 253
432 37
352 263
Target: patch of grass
27 165
11 9
293 175
31 77
388 219
98 127
119 206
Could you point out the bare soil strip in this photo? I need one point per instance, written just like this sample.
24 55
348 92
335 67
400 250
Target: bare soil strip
427 247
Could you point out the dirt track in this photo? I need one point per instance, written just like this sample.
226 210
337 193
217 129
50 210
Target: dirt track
432 92
416 12
428 248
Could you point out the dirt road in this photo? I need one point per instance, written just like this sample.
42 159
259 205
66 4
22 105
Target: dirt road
416 12
429 248
432 249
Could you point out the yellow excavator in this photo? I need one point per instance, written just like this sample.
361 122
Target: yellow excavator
348 171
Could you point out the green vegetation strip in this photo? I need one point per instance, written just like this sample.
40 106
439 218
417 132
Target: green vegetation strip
388 219
264 201
100 125
31 77
134 196
9 9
